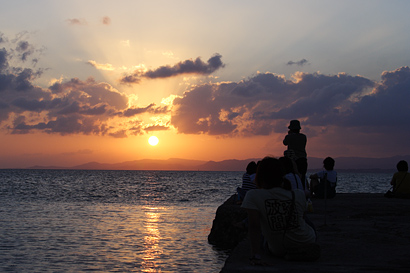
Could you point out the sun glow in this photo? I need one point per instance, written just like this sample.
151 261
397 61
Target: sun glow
153 140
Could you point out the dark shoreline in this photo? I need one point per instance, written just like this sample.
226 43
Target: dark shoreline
359 232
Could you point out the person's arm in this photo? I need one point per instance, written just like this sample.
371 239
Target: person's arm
285 140
254 233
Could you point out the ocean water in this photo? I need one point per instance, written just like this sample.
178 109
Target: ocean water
121 221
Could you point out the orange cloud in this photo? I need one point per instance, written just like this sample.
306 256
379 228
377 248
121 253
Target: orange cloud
107 66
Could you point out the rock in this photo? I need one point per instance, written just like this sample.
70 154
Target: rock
225 232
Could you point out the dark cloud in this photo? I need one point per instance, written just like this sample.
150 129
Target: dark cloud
130 79
156 128
2 38
196 66
95 111
3 59
21 49
152 109
387 106
159 110
119 134
25 104
137 111
335 108
62 125
266 102
199 112
324 97
299 63
70 107
22 46
233 108
18 49
186 67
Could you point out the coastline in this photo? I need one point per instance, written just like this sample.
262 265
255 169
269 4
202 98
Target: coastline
359 232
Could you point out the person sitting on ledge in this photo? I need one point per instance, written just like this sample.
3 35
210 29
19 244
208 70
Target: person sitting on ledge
323 183
277 213
248 180
401 180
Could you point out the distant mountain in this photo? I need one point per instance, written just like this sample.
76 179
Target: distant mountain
226 165
145 164
342 163
38 167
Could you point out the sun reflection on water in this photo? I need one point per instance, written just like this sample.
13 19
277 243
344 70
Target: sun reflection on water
152 249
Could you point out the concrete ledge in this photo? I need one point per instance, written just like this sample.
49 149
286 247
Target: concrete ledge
358 233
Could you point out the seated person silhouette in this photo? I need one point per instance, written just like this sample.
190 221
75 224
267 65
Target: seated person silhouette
248 180
401 180
323 183
276 222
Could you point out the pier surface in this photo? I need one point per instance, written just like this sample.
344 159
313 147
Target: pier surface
357 232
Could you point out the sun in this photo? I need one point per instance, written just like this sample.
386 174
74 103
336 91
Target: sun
153 140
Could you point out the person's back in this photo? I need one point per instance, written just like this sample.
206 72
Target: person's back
295 182
276 212
291 173
274 206
297 143
248 180
326 186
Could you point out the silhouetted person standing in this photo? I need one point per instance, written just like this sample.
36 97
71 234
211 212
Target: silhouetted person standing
296 143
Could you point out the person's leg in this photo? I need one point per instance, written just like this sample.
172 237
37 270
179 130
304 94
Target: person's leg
302 165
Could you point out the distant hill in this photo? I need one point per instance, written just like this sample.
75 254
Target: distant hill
342 163
145 164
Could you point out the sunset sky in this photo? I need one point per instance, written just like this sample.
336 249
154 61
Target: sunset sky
92 80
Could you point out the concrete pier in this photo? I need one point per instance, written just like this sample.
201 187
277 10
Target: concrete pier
357 233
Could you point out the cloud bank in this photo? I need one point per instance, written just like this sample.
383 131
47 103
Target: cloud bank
261 104
332 106
70 107
340 113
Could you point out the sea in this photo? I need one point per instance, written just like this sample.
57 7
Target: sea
122 221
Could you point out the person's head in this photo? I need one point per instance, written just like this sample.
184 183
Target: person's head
402 166
251 168
329 163
269 173
294 126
